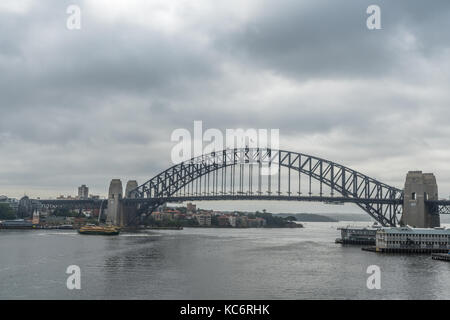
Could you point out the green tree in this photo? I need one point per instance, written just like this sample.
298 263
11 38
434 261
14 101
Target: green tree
64 212
6 213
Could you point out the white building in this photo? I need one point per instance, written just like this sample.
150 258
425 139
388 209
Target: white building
409 239
203 219
232 221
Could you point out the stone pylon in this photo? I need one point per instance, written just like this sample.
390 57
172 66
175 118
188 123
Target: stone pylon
131 185
130 209
115 196
420 187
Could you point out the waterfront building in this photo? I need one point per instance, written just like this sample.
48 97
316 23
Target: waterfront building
256 223
27 206
358 235
203 219
181 216
83 192
242 222
223 220
54 220
261 222
191 208
170 214
16 224
35 220
156 216
252 223
232 221
407 239
210 212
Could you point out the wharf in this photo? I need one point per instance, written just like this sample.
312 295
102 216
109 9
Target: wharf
441 256
355 241
404 250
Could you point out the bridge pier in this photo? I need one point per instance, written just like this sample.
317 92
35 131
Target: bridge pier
420 187
115 195
119 213
129 211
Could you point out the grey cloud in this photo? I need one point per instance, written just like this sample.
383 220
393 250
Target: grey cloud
101 102
323 38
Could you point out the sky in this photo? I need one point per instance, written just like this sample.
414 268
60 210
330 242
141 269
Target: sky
88 105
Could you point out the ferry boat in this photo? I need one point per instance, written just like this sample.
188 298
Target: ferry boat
99 230
65 227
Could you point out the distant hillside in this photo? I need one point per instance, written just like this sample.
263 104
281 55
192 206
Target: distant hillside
350 216
307 217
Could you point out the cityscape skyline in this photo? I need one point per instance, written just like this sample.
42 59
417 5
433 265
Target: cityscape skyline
114 107
361 110
224 158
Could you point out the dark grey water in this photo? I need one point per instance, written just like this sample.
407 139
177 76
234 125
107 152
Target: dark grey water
210 264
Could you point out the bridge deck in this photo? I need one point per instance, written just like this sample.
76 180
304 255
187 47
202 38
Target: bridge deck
331 200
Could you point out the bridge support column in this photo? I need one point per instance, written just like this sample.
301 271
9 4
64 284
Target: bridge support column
129 211
114 202
420 187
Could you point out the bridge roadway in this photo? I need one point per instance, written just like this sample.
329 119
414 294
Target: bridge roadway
103 203
328 200
444 205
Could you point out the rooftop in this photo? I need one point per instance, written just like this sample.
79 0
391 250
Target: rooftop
416 230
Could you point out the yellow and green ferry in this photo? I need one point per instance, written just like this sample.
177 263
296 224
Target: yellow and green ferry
99 230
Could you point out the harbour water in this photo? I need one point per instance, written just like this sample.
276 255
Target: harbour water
197 263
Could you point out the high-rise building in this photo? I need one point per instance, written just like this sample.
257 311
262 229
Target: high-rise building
83 192
27 206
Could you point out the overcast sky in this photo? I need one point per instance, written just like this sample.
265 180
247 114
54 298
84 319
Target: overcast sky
85 106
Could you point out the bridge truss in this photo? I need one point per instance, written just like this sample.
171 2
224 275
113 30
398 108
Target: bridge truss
439 206
267 174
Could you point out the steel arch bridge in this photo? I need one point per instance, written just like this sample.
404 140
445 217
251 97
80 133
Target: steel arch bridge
267 174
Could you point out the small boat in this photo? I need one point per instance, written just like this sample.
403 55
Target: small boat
99 230
65 227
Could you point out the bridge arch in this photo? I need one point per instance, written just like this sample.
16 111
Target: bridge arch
183 181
